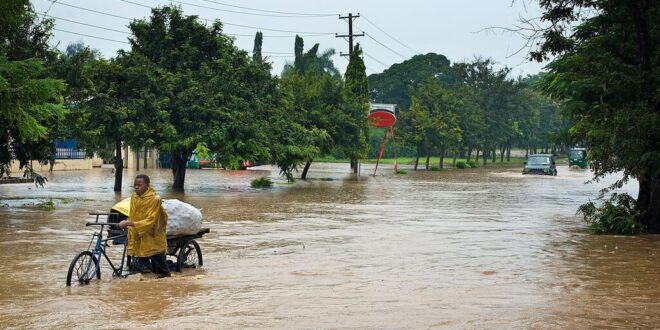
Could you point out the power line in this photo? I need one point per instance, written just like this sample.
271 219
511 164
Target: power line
90 36
375 59
350 34
239 25
90 10
245 13
387 34
385 46
268 11
366 67
81 23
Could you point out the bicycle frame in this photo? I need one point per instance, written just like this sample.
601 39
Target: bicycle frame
101 244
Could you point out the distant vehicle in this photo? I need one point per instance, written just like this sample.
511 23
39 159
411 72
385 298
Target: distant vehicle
577 158
543 164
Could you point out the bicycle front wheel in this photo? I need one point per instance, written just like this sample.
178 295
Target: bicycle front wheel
83 268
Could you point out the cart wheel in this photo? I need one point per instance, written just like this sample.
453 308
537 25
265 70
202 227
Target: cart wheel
190 256
82 269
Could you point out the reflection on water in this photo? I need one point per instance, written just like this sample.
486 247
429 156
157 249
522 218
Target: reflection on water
453 249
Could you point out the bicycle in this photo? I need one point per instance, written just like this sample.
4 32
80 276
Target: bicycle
87 264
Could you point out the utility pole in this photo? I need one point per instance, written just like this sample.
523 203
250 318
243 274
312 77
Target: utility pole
350 34
355 164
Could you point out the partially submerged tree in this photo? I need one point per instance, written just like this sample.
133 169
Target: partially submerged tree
31 108
216 95
608 74
356 107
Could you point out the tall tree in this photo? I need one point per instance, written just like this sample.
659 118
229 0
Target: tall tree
256 50
607 73
31 103
394 84
216 95
356 106
315 87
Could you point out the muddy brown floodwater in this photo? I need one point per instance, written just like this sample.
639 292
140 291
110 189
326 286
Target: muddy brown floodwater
453 249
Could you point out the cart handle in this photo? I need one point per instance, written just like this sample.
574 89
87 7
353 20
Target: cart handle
101 224
103 213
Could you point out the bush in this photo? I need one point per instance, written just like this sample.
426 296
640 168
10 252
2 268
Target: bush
434 168
473 164
617 216
462 164
47 205
401 172
262 182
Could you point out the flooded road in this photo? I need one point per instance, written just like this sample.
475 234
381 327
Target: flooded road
453 249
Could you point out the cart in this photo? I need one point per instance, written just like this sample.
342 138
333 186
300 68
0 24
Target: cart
87 264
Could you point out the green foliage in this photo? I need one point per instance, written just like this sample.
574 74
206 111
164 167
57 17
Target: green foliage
473 164
46 205
434 168
262 182
607 76
401 172
212 92
461 164
617 215
355 107
31 111
394 84
256 51
313 114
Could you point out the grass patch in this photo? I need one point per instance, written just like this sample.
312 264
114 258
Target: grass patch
401 172
434 168
262 182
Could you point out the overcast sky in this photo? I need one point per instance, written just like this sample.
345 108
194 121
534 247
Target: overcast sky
448 27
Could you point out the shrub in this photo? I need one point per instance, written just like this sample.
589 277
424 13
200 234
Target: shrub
473 164
434 168
617 216
47 205
401 172
262 182
462 164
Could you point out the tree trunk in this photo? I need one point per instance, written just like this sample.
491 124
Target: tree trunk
303 176
469 154
179 160
417 157
354 165
648 201
476 157
508 153
494 155
442 158
137 160
145 158
428 159
502 153
485 156
119 166
453 164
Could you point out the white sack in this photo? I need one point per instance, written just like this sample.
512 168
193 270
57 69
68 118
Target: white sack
184 219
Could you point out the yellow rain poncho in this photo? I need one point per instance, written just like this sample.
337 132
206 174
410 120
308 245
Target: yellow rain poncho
147 236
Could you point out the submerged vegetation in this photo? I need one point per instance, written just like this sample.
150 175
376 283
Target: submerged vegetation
262 182
617 215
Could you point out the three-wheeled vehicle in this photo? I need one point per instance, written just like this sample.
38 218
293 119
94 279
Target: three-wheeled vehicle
87 264
577 159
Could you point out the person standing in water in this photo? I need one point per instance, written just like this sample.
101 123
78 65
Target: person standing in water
147 221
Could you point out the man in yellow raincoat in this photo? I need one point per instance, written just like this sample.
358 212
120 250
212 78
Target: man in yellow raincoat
146 225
